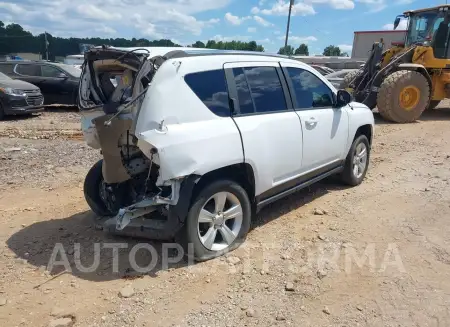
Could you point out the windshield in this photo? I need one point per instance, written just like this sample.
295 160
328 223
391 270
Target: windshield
3 76
76 72
423 27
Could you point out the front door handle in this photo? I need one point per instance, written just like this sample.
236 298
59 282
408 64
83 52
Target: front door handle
311 122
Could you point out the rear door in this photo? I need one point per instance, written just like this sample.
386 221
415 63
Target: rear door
325 127
271 131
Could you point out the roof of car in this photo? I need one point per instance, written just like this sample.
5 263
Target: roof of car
25 62
180 52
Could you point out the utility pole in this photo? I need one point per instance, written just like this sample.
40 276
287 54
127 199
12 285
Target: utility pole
291 4
46 46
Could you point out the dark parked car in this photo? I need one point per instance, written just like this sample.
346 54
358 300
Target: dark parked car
58 82
18 97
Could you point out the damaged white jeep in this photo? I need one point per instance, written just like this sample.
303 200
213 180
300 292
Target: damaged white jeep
195 142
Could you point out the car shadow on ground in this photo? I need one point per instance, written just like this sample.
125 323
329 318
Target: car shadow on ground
37 242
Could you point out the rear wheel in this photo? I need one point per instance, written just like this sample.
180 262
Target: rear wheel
433 104
403 96
93 184
2 112
218 220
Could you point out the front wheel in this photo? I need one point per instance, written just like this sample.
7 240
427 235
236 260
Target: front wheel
357 161
403 96
218 220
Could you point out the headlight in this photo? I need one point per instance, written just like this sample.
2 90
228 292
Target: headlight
11 91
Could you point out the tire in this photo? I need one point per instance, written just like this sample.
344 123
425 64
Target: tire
348 79
194 230
346 83
393 87
433 104
2 112
349 176
92 184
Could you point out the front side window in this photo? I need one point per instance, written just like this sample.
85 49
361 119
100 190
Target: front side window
310 91
259 90
29 70
211 88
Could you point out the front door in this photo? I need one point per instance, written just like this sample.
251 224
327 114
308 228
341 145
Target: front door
271 131
325 128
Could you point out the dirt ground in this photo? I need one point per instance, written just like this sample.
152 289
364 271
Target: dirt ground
374 255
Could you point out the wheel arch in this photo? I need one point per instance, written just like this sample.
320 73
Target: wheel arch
366 130
418 68
242 173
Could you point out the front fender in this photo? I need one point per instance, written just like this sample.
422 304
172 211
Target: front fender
417 68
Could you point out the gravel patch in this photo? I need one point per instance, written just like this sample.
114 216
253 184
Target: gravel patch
42 163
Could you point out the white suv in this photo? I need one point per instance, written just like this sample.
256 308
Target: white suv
196 142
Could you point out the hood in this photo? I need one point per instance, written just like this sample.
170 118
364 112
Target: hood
17 84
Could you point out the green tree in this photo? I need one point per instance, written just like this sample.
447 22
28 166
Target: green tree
16 30
13 38
287 51
252 46
302 50
199 44
260 48
332 50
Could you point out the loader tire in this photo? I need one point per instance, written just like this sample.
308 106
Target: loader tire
433 104
403 96
348 79
345 85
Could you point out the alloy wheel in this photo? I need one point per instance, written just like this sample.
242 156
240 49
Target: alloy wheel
360 160
220 221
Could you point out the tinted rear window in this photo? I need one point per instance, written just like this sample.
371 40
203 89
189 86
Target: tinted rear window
259 90
266 89
7 68
211 88
29 70
245 98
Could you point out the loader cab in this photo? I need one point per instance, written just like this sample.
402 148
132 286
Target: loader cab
428 27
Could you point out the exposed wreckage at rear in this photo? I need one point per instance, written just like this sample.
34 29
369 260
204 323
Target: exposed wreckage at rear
128 185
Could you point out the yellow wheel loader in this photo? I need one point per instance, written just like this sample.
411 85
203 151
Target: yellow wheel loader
412 76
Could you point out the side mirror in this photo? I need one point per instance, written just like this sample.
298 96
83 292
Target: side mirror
62 75
343 98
